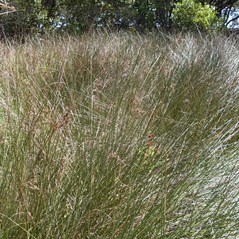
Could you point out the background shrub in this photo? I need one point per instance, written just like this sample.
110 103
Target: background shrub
193 15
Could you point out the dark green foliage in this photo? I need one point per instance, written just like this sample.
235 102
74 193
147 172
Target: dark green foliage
30 17
81 15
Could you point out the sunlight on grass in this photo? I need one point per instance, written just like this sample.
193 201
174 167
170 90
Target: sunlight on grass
119 136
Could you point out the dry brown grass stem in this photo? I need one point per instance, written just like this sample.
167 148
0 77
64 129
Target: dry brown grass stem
9 9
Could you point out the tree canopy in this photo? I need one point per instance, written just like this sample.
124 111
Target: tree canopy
192 15
80 15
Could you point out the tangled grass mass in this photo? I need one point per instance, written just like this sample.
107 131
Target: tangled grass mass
119 136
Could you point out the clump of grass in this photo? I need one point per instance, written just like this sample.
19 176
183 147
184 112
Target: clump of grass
119 136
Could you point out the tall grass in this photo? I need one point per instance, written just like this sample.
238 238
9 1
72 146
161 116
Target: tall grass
119 136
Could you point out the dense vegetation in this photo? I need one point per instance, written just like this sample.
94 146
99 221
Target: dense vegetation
119 136
40 16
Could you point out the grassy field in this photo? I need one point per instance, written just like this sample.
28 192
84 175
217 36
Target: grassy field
119 136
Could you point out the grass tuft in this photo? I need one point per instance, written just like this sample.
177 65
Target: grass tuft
119 136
